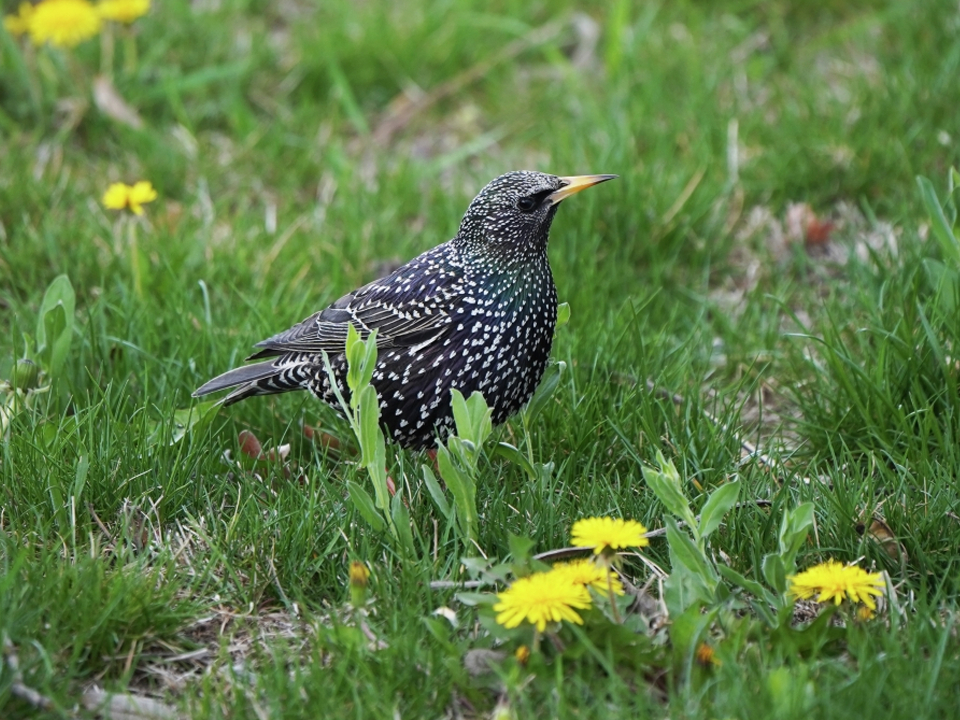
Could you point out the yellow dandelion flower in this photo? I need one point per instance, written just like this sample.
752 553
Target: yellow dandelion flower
706 656
602 533
125 11
522 654
115 197
587 573
541 598
63 23
119 196
19 24
835 581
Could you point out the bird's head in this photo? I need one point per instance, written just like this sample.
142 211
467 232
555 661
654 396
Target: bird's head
513 213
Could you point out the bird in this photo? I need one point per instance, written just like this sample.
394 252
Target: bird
475 313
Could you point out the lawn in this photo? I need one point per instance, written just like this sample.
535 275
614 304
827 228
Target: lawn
766 300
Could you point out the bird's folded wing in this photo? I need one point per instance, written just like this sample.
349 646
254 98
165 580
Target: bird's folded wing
398 324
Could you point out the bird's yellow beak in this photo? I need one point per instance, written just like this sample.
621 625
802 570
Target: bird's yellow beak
574 184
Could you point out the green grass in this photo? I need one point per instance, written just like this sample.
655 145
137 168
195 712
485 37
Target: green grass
157 548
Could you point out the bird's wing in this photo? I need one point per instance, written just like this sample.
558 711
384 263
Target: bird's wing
401 319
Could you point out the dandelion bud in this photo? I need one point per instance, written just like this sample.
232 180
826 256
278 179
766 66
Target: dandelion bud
359 577
25 374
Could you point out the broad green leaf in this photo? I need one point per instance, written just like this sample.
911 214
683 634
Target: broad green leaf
775 573
55 324
364 504
378 472
471 599
548 386
718 505
512 454
461 417
563 314
193 419
520 547
369 360
686 630
942 228
29 346
369 426
683 588
441 629
684 550
184 421
459 452
80 479
472 418
665 484
433 487
401 524
355 352
793 531
463 490
544 474
751 586
61 430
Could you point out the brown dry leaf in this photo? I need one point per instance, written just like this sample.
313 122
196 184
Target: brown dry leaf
322 438
802 225
249 445
110 103
818 232
880 533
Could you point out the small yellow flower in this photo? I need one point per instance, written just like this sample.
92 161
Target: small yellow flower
63 23
541 598
522 654
19 24
706 656
586 572
834 581
125 11
602 533
119 196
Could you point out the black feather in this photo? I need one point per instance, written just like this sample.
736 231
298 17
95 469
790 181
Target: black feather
239 376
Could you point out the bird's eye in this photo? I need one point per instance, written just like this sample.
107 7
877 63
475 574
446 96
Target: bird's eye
527 204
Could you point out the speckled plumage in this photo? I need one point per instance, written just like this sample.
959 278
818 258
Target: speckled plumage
475 313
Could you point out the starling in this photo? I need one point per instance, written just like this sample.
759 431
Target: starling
475 313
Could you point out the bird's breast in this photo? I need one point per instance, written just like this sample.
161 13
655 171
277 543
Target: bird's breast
501 343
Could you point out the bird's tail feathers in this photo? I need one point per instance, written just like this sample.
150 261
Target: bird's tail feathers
260 379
